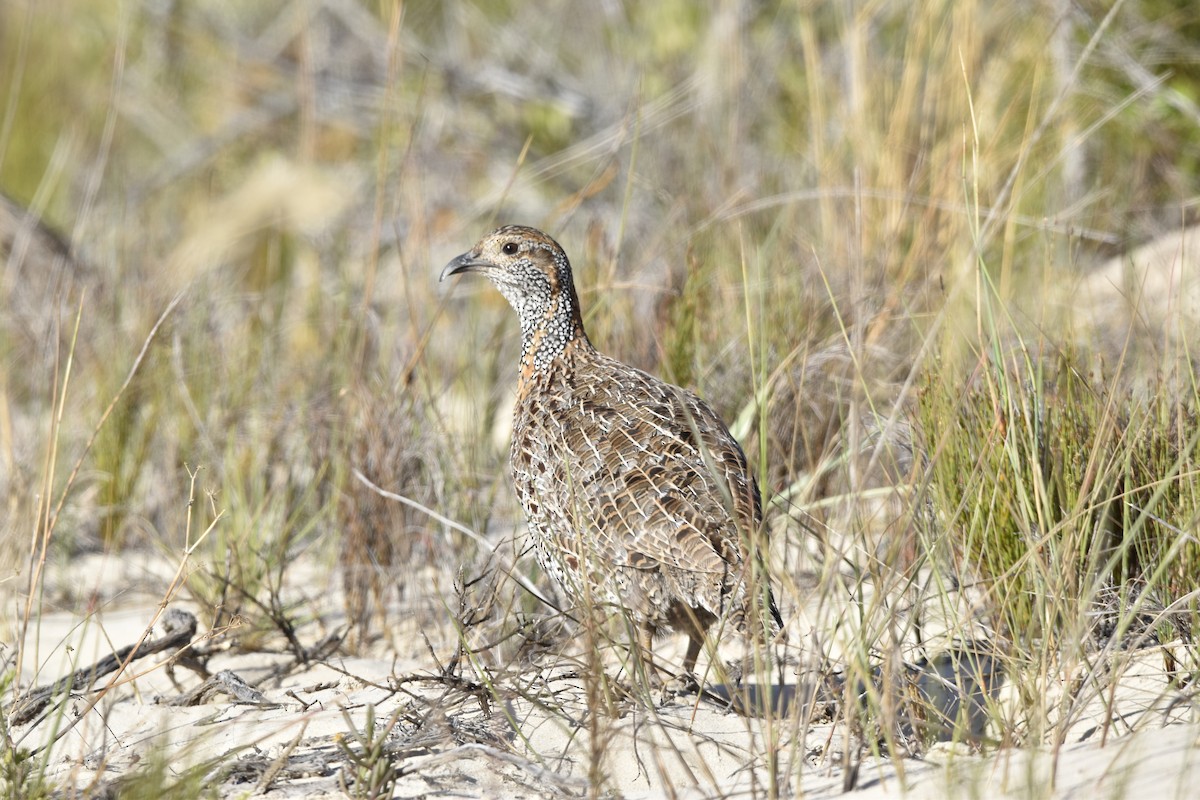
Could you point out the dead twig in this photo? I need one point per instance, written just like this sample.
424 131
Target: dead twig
225 682
179 627
539 773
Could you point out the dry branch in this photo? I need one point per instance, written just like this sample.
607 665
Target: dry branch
178 628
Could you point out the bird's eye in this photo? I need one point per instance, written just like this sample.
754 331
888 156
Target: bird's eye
509 248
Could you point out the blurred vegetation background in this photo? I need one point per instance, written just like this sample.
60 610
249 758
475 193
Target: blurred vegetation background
874 234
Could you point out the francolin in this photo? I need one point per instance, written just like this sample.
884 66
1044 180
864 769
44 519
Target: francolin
635 491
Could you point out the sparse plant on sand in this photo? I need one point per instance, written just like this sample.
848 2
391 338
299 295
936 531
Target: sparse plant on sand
933 263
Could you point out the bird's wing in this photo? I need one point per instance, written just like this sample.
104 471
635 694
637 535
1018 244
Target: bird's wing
657 481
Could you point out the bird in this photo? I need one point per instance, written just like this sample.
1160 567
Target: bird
635 492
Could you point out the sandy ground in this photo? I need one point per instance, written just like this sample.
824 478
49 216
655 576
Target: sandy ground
522 738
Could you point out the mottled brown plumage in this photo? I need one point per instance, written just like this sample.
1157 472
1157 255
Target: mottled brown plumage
635 491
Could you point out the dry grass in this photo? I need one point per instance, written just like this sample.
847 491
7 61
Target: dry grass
858 231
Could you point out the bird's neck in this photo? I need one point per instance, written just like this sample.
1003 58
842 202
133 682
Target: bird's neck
551 334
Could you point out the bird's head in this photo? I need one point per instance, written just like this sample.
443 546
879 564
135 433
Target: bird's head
532 272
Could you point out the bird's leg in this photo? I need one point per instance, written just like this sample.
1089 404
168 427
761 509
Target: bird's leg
688 678
646 643
683 683
693 652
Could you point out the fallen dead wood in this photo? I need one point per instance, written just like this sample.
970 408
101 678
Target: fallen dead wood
178 627
226 683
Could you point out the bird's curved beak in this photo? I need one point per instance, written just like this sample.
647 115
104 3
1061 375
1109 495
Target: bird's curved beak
467 262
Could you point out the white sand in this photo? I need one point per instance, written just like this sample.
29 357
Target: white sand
536 743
